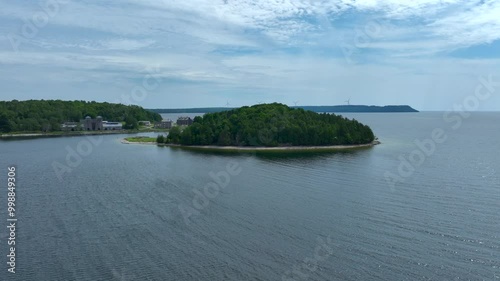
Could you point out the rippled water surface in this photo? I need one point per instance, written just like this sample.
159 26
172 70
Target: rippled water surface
134 212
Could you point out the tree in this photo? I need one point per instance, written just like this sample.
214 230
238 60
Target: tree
160 139
272 125
131 122
187 136
37 115
5 126
174 135
224 138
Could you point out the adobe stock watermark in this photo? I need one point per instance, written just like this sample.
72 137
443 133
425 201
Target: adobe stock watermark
75 156
363 38
427 147
302 271
32 25
203 196
84 148
220 180
121 276
150 82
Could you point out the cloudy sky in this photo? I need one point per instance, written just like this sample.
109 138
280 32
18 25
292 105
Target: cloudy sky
196 53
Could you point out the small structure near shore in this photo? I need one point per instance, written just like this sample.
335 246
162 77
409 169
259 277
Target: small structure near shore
164 124
71 126
184 121
112 125
89 124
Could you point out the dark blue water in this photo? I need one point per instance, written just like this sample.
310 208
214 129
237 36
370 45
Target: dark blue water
134 212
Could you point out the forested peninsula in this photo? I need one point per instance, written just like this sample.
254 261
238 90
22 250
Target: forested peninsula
50 115
270 125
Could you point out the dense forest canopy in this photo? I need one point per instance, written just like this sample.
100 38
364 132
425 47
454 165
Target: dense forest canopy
271 125
48 115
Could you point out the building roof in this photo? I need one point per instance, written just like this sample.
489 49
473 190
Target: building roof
112 124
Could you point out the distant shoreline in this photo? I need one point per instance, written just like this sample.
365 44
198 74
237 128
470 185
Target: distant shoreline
260 148
318 109
76 133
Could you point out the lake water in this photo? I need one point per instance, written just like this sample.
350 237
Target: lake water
134 212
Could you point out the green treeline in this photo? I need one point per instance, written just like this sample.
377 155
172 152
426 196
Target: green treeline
48 115
271 125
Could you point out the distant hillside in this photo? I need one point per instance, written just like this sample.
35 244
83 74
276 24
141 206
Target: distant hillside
326 108
191 110
48 115
360 108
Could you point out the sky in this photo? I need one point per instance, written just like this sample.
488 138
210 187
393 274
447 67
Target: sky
429 54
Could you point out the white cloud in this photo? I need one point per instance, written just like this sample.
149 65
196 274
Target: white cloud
461 22
242 47
126 44
477 25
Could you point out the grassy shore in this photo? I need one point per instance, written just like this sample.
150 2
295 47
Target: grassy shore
140 140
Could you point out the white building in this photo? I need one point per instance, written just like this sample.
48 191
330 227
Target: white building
98 124
107 126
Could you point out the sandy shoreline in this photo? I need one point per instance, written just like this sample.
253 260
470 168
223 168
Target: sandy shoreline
23 135
239 148
79 133
69 134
